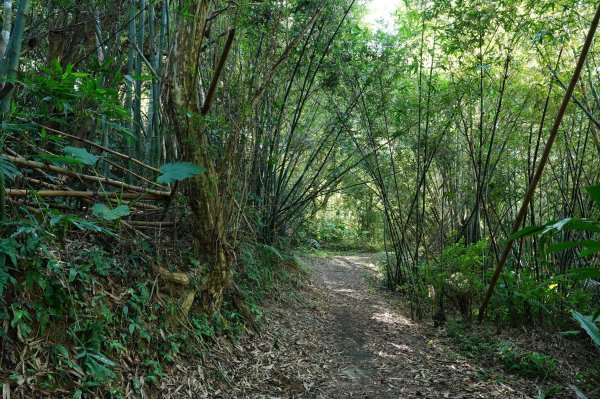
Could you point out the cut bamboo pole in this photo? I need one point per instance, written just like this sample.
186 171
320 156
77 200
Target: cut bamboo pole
14 192
95 145
89 178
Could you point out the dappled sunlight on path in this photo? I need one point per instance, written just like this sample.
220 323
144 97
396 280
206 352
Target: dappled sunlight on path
342 337
382 353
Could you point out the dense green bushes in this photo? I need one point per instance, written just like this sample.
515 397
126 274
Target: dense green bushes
457 278
94 313
337 235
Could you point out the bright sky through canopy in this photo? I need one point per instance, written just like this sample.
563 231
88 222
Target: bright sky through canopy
381 10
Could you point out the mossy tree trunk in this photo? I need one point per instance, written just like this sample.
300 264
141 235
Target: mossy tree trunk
204 191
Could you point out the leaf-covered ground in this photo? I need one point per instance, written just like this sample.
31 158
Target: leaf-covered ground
343 338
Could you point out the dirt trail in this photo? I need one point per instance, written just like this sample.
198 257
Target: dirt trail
342 338
382 353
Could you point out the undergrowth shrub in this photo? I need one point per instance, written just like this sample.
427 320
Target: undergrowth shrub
457 276
481 346
384 261
80 315
526 363
334 234
262 269
521 298
63 300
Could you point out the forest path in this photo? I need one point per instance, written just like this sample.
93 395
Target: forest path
381 352
340 337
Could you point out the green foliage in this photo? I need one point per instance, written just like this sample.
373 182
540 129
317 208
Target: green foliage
484 347
106 213
81 154
263 270
470 343
457 275
8 169
65 294
589 246
74 99
594 192
590 325
178 171
385 261
528 364
337 235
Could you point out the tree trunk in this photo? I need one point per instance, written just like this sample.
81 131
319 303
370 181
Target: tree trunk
203 191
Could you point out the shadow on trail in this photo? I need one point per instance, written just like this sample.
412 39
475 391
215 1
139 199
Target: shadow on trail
381 353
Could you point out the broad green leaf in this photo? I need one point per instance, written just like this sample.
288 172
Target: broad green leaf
106 213
589 326
60 348
103 359
594 192
82 155
557 226
8 249
584 225
81 224
85 225
572 244
178 171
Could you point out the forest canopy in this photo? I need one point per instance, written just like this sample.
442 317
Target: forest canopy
163 160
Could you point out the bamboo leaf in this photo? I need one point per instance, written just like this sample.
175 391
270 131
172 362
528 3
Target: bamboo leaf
527 231
103 359
8 169
572 244
594 192
585 273
588 325
589 251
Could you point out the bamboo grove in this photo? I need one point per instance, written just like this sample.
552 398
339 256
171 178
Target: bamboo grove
122 80
453 116
196 128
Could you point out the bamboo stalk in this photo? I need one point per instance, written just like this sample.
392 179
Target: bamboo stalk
215 80
137 98
6 27
543 160
14 52
9 64
152 103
